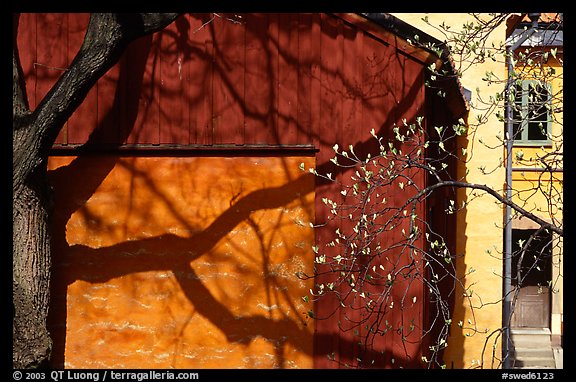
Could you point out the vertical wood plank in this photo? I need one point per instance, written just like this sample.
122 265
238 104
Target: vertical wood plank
174 114
110 89
326 334
315 84
378 115
258 81
352 133
331 86
85 119
350 316
132 69
411 96
52 56
146 127
228 86
352 128
379 100
273 49
200 68
287 129
305 55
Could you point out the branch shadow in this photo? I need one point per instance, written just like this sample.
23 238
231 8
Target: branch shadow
176 254
100 265
81 192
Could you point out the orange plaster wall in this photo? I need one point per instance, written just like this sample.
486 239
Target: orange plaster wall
185 262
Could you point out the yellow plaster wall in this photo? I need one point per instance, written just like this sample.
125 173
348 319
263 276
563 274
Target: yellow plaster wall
480 234
184 262
534 189
541 192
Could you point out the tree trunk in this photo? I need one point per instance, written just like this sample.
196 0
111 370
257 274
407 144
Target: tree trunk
31 272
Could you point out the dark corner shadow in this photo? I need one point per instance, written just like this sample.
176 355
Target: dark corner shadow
451 228
457 232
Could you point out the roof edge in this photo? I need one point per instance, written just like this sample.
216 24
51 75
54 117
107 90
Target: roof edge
420 39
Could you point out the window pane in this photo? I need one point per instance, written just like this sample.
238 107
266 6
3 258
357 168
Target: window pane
516 122
517 113
538 112
536 266
537 131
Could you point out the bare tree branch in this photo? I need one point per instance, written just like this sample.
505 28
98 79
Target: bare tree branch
458 184
107 36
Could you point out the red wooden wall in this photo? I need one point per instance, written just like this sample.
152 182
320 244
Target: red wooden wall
275 79
241 83
245 81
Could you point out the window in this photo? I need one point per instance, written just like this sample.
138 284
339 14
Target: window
531 118
536 266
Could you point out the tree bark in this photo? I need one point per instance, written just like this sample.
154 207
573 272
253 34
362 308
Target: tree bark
31 273
34 132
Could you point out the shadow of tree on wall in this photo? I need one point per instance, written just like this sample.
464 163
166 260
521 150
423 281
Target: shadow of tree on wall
99 265
372 91
222 267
